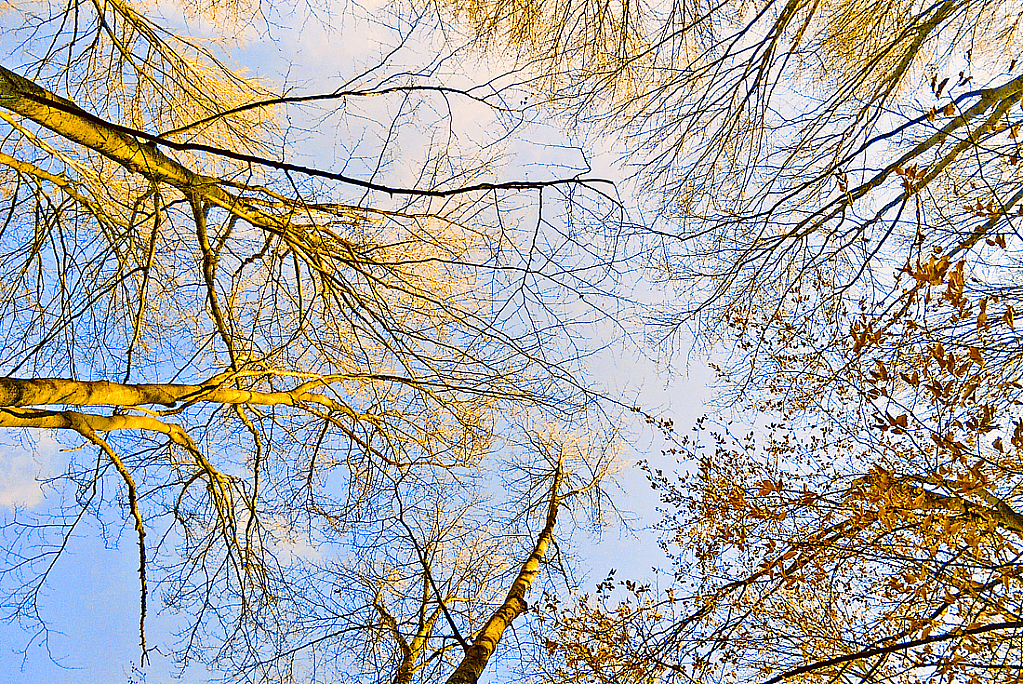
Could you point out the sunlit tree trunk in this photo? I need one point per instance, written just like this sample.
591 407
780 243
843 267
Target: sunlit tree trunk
483 646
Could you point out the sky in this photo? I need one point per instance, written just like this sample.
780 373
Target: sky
90 600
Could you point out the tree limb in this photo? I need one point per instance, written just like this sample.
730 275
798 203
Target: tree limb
483 646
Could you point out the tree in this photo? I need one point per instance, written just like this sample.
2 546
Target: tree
786 147
256 350
839 185
880 544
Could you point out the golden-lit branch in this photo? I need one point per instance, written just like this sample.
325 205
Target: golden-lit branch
485 642
51 391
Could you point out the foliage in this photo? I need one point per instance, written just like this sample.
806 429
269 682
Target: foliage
881 544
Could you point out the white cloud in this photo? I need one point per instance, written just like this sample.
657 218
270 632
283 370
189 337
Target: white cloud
25 460
287 540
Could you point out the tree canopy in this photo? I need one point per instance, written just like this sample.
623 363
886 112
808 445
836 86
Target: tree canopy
381 354
253 353
839 184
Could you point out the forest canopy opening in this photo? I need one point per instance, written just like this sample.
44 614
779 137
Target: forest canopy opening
325 353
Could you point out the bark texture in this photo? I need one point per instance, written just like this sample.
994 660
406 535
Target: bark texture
61 391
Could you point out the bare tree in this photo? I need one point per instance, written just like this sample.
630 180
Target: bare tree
436 591
258 351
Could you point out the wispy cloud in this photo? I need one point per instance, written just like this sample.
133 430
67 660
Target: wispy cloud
25 462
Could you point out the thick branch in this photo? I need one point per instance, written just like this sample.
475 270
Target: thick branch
406 667
121 144
70 420
65 118
61 391
893 648
998 511
483 646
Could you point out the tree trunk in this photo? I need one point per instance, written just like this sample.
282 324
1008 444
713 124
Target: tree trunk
475 660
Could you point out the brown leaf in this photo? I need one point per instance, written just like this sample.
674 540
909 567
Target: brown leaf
976 356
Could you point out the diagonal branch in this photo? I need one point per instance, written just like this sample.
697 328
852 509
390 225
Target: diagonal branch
429 578
893 648
122 144
483 646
